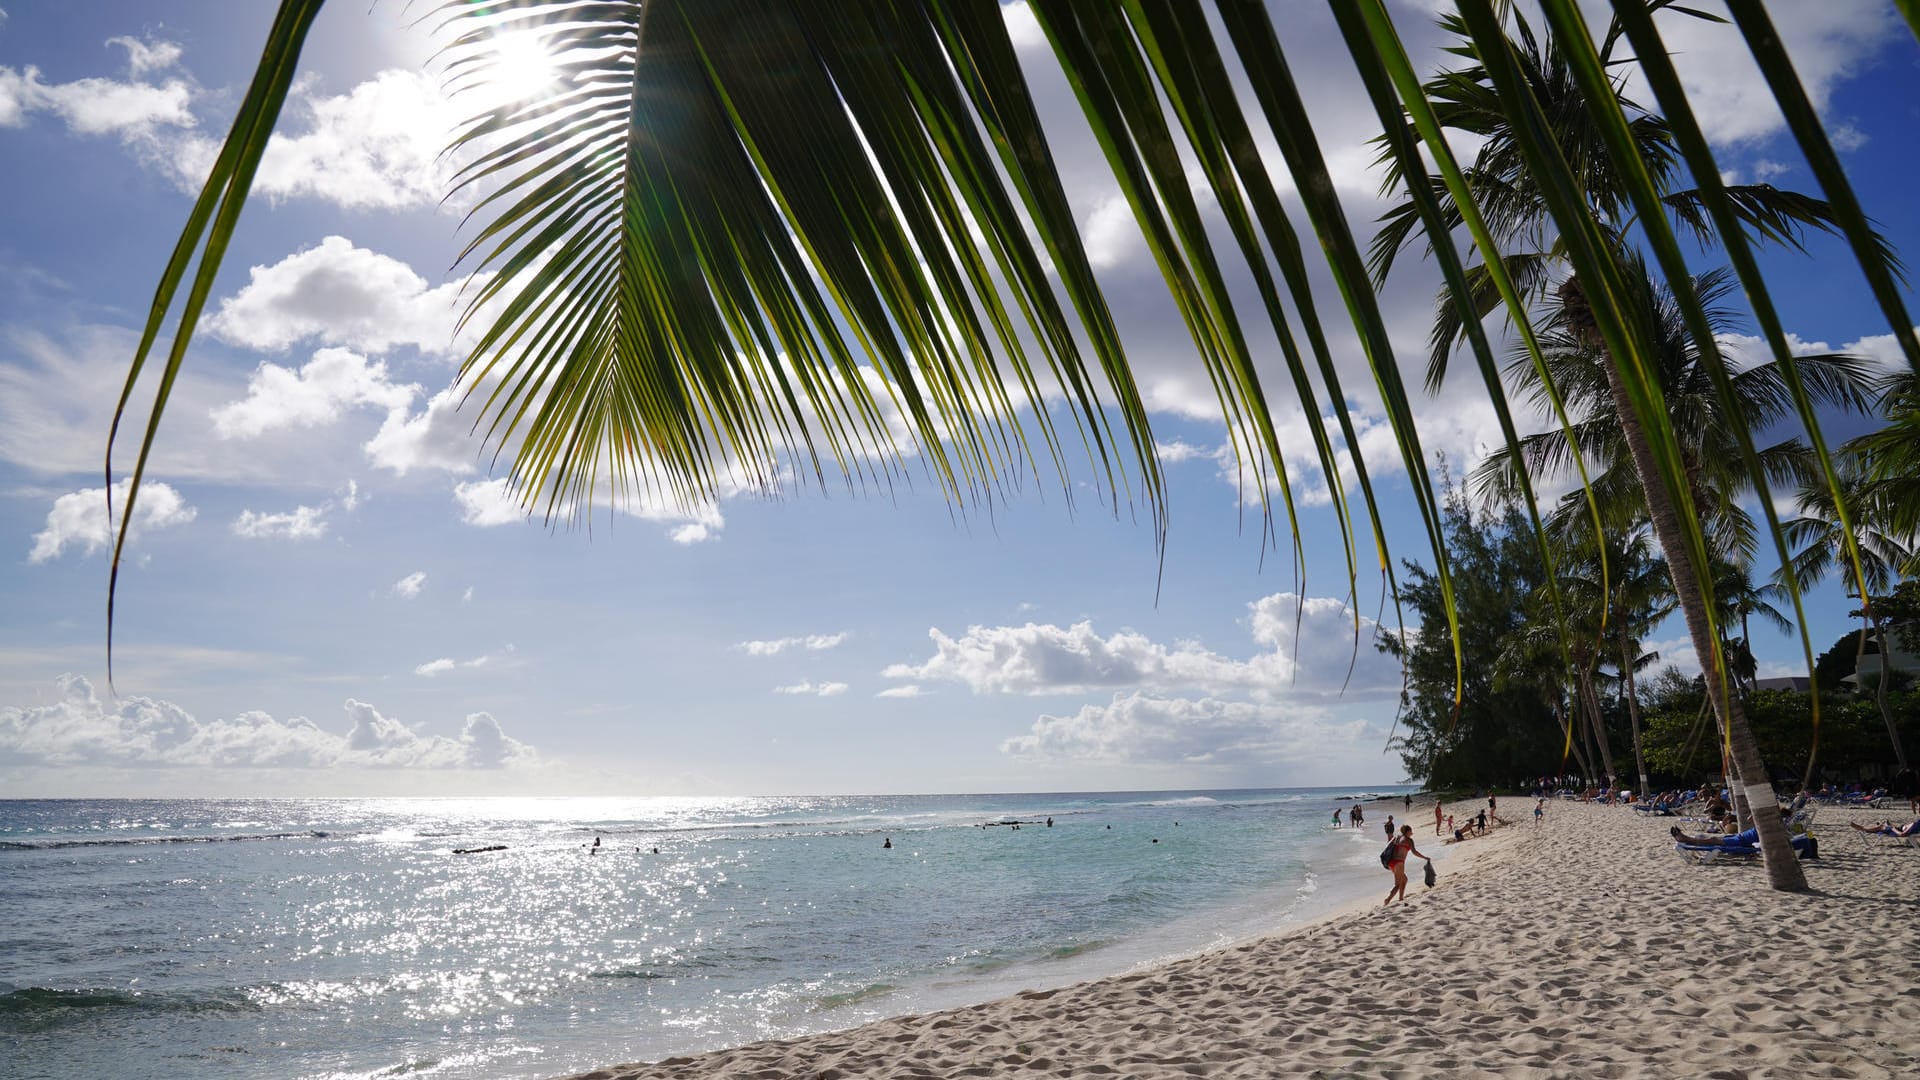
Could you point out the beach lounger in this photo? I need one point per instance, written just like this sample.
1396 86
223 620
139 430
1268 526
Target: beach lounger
1705 854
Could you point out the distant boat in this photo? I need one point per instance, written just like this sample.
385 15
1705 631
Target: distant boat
478 850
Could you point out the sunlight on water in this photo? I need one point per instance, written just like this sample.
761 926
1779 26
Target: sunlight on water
241 938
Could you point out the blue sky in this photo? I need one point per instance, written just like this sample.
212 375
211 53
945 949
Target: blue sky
328 595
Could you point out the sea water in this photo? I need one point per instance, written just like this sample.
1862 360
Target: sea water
344 938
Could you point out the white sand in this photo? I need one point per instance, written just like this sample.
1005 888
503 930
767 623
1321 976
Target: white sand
1583 948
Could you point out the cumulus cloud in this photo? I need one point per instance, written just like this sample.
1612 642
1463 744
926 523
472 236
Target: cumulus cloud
300 523
487 503
338 294
824 689
810 642
447 664
145 116
376 146
1830 43
409 587
1146 728
137 731
333 381
79 519
1039 659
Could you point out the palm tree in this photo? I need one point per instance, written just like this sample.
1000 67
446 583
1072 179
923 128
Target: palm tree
1597 306
1640 599
1737 600
741 232
1819 533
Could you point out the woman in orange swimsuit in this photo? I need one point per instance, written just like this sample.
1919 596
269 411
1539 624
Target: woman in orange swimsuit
1402 847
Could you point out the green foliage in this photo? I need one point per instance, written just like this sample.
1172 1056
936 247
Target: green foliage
1838 662
1682 744
1504 727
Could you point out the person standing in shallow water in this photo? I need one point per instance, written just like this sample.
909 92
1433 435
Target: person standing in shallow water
1402 847
1336 817
1389 826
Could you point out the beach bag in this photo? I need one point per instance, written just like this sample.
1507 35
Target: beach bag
1386 856
1430 875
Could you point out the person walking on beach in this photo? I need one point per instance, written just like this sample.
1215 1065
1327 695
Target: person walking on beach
1438 808
1539 810
1409 802
1401 847
1389 826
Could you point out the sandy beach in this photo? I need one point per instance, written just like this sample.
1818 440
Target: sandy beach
1580 948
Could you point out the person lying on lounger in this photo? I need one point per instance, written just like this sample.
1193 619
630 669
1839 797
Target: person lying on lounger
1888 828
1748 840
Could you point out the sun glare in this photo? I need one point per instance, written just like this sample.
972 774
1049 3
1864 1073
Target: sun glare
523 70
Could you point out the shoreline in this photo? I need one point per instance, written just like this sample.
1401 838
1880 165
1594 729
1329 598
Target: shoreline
1580 947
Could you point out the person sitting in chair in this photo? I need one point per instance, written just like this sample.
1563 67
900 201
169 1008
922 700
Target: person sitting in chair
1888 828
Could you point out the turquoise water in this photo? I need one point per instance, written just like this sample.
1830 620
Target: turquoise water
343 938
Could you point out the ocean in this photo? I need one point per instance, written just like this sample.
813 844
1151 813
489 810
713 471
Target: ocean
343 938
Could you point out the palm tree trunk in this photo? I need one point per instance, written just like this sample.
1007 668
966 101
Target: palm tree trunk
1573 744
1783 867
1593 718
1880 690
1633 706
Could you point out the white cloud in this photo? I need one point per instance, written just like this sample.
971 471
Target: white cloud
139 731
79 519
487 503
1112 234
810 642
1179 450
691 534
447 664
146 56
1048 659
144 116
329 384
377 146
467 596
911 690
300 523
1144 728
339 294
825 689
1829 42
434 438
409 587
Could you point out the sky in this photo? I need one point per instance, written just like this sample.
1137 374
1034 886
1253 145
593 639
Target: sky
329 592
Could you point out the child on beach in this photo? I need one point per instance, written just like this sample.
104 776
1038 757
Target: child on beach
1402 846
1539 810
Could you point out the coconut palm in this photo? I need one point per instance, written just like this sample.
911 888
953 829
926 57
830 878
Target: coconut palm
1819 533
1604 316
1889 468
1640 597
828 239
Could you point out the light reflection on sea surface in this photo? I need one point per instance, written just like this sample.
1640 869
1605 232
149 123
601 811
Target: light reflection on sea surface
343 938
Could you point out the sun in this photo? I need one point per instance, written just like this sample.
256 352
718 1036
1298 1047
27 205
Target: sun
521 69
